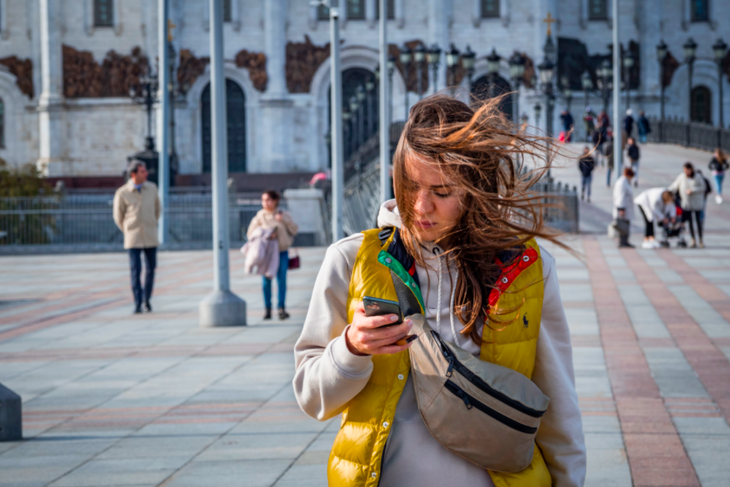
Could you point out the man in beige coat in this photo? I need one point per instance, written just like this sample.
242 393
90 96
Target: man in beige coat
136 212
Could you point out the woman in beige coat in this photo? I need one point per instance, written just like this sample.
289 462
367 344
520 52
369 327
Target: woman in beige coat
270 216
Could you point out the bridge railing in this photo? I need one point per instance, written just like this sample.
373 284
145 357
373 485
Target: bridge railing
689 134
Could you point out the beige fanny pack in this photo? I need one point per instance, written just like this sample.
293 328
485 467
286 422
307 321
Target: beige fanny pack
483 412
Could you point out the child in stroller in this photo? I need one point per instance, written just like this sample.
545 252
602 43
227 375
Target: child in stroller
673 227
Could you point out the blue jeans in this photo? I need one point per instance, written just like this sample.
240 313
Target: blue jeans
718 182
642 138
585 185
135 264
280 281
608 176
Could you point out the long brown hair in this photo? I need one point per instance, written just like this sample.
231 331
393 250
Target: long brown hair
480 153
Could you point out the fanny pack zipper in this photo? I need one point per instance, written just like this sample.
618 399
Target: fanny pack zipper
455 364
472 402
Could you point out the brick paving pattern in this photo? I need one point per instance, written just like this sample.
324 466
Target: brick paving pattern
115 399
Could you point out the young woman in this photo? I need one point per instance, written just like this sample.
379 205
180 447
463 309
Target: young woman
453 229
655 205
718 166
691 188
270 216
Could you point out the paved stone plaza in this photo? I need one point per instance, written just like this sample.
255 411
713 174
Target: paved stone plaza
115 399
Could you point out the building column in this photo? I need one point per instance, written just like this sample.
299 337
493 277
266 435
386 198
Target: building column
52 147
276 107
439 17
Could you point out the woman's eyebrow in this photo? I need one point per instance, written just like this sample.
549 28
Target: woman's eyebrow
441 186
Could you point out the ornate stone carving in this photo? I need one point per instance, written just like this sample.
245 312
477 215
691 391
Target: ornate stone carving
22 69
84 77
302 61
189 68
670 66
255 62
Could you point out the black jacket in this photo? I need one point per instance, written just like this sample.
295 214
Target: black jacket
633 152
586 164
718 166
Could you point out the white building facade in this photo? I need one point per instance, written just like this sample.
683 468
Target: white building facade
66 68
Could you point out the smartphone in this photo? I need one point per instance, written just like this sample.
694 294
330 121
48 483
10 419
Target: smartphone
380 307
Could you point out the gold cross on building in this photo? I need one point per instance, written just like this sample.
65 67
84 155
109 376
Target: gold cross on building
549 20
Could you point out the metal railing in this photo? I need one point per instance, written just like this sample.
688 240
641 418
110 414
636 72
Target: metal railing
689 134
83 220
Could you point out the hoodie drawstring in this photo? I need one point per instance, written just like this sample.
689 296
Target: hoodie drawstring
451 304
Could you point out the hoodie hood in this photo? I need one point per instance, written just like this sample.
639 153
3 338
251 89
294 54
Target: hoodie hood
389 216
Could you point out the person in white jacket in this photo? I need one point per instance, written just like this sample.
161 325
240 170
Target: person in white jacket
438 209
623 203
691 188
656 205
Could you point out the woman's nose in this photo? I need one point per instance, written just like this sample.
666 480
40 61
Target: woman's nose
423 204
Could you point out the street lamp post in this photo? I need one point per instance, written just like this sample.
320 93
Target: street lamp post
661 54
391 71
360 94
468 59
628 63
493 71
567 92
517 75
547 69
146 95
406 55
346 134
434 60
587 84
690 49
369 88
419 56
538 111
606 79
452 60
719 49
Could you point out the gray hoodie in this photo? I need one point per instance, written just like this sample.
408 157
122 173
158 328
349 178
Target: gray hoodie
328 375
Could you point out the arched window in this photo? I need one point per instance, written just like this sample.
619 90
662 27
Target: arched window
236 115
103 13
487 87
701 104
355 9
597 10
700 10
2 123
490 9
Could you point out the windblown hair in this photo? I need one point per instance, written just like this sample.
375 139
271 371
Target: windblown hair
481 155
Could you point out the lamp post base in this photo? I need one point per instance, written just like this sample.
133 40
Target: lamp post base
222 308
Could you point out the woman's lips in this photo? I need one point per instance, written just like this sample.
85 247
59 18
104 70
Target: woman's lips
425 224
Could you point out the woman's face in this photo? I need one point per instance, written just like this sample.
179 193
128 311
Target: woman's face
268 202
436 201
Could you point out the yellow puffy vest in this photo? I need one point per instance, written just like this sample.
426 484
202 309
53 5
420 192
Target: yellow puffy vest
357 453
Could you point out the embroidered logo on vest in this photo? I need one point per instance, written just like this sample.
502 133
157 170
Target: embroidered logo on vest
525 323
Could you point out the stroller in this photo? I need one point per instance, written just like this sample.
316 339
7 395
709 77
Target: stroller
674 228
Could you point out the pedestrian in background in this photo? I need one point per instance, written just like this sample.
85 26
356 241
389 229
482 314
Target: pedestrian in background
136 212
589 119
655 205
623 204
691 188
604 122
718 165
643 126
634 154
567 119
628 128
586 165
270 216
608 152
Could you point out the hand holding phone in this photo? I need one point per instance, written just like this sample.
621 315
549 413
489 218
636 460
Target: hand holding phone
378 329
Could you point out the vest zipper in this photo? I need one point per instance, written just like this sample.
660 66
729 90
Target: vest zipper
455 364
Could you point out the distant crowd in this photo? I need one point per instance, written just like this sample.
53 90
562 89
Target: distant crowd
674 208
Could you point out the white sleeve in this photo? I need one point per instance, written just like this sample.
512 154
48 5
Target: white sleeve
560 436
327 374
